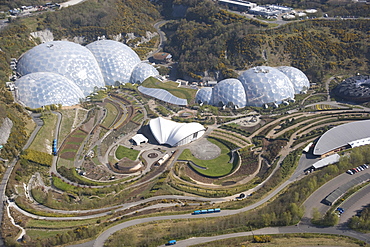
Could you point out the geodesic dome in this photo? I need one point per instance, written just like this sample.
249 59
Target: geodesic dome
116 60
356 88
229 92
297 77
68 59
141 72
204 95
265 84
45 88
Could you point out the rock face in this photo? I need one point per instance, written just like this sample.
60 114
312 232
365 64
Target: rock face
5 129
44 35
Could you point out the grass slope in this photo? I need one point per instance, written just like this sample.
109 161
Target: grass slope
126 152
172 87
217 167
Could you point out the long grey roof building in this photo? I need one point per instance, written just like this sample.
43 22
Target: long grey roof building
352 134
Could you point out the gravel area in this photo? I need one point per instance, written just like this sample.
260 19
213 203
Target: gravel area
204 150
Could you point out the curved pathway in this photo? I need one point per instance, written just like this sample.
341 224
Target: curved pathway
303 227
277 230
284 152
162 37
4 182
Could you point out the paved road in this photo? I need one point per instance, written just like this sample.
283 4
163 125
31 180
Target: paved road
311 202
314 200
4 182
276 230
300 228
355 203
104 236
107 210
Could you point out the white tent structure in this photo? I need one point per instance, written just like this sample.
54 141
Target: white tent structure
175 134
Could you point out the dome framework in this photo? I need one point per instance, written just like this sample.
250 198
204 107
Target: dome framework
68 59
44 88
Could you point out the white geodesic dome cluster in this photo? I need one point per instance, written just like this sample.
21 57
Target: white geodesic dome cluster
256 87
103 62
116 60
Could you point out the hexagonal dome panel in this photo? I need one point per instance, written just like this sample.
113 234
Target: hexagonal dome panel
265 84
45 88
356 88
297 77
65 58
116 60
229 92
204 95
143 71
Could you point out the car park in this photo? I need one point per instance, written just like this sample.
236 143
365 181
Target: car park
350 172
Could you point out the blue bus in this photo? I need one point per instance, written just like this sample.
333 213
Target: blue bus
55 150
207 211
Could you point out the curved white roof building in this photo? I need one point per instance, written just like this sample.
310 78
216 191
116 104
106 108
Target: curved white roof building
351 134
175 134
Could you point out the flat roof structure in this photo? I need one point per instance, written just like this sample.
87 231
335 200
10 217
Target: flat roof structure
139 138
342 135
239 3
334 158
340 191
163 95
162 56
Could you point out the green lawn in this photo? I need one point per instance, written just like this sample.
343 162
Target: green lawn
43 139
57 224
59 184
34 234
111 115
68 116
138 117
172 87
217 167
126 152
66 163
